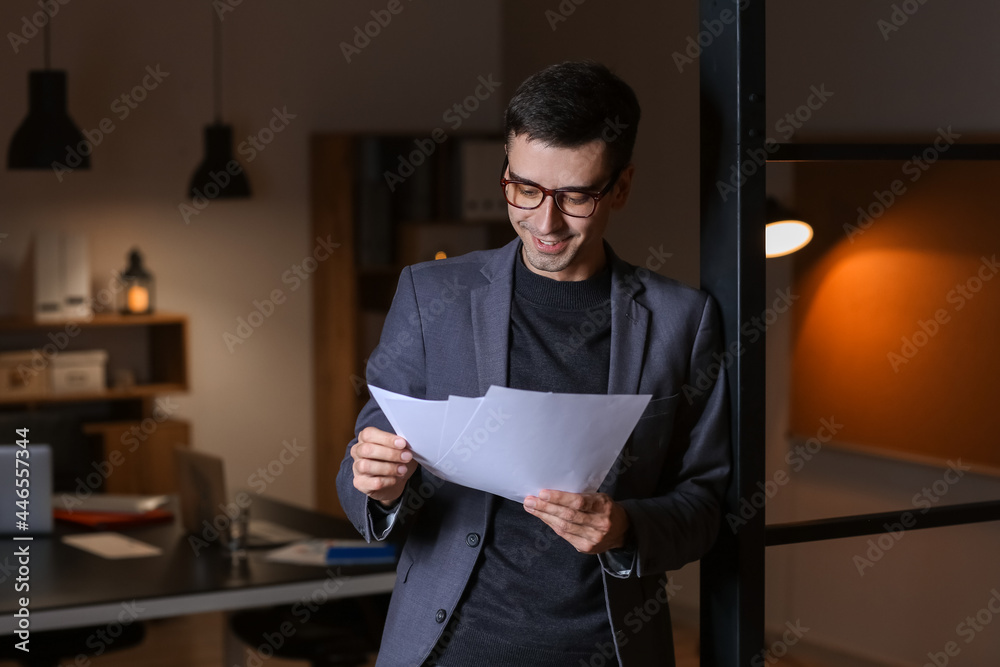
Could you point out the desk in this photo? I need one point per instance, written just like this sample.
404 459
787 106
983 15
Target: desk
73 588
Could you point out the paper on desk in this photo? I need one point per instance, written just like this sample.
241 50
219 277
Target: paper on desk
112 545
514 443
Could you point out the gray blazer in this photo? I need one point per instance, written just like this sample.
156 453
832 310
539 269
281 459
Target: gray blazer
447 333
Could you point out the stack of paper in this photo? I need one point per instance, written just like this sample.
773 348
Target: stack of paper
514 443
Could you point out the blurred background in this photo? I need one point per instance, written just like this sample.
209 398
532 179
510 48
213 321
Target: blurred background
896 245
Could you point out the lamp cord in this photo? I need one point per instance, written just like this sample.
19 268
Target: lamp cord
45 41
217 62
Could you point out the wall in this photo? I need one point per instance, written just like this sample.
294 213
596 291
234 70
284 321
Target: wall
637 44
278 55
889 85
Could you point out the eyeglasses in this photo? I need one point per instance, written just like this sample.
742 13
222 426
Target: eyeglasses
574 203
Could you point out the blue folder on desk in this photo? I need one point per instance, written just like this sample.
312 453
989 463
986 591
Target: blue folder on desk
335 552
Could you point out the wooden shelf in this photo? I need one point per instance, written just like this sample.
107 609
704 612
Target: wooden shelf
161 338
132 393
99 320
153 347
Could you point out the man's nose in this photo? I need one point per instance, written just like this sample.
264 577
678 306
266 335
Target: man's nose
549 217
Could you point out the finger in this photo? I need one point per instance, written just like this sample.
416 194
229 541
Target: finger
375 468
563 526
377 452
380 437
582 538
371 486
566 513
581 502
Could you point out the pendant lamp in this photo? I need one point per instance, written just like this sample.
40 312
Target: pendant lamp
220 175
48 134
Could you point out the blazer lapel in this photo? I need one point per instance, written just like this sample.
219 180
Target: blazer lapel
629 328
491 318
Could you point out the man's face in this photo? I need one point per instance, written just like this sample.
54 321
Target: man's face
557 245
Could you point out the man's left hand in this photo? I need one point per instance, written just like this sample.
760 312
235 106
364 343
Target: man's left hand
591 522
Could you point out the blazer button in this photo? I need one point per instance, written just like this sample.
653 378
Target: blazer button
440 615
472 539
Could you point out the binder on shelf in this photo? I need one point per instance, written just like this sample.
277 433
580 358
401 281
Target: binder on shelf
76 277
48 287
61 277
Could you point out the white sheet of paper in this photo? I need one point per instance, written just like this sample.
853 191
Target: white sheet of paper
514 443
415 420
112 545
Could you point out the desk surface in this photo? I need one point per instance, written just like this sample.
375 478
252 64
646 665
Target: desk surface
71 588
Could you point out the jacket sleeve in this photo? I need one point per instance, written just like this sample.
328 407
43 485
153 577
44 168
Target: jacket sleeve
397 364
680 521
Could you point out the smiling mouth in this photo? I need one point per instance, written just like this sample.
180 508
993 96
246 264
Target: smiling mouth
550 247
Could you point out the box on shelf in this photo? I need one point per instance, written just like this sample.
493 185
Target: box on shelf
19 377
72 372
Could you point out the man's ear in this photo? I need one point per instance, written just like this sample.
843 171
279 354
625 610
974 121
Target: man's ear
623 188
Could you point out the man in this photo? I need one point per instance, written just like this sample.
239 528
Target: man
566 578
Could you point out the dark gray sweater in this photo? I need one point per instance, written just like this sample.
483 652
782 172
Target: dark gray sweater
533 600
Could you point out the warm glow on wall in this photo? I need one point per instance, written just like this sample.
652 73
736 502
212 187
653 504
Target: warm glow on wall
785 237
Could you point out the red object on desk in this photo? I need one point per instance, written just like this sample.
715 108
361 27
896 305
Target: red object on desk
113 520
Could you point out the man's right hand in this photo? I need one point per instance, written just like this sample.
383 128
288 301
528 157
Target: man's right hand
382 464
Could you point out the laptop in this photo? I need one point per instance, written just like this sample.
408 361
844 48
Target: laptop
201 481
36 495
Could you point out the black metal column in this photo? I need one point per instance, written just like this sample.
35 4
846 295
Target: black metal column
733 160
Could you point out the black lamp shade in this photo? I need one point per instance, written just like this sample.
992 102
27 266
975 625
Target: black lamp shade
48 134
219 176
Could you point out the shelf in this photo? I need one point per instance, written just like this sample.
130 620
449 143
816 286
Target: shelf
893 152
99 320
153 346
136 392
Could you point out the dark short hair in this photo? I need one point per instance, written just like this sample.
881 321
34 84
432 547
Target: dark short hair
572 104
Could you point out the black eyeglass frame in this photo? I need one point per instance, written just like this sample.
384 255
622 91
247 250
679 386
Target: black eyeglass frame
596 196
